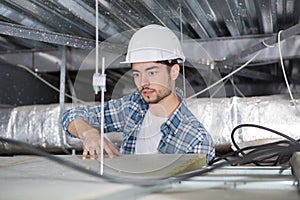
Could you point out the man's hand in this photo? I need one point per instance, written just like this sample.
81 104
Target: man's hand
91 145
91 140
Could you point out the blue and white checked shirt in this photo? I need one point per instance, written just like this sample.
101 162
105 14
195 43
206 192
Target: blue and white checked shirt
182 132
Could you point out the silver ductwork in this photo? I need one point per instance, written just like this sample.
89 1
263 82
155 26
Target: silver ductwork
221 115
40 126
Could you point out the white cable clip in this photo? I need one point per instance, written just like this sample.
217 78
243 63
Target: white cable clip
99 82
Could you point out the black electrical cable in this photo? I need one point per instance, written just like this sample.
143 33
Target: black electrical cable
248 148
260 162
266 160
260 127
268 147
248 158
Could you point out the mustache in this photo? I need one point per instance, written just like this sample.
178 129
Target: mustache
146 88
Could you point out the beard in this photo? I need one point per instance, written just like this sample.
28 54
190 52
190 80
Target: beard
160 95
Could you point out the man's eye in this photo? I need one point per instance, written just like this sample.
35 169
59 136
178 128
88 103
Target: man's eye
152 73
136 75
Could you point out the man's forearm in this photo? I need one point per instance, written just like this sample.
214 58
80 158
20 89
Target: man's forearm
78 127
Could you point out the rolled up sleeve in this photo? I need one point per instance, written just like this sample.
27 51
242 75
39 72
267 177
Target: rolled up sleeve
86 113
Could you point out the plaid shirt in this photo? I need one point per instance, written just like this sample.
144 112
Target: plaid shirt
182 133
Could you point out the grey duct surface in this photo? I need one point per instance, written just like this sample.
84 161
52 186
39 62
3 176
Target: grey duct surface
220 116
39 124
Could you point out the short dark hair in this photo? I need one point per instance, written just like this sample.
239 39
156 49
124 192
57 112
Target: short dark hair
169 63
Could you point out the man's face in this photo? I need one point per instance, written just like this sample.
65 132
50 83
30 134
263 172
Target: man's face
153 81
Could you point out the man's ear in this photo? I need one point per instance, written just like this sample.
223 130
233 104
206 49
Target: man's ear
175 69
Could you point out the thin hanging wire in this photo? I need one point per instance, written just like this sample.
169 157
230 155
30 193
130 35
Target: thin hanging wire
102 121
284 74
97 37
225 77
102 91
183 68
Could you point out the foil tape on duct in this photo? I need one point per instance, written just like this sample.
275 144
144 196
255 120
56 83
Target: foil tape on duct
40 126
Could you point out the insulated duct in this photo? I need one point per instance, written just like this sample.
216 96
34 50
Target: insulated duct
40 126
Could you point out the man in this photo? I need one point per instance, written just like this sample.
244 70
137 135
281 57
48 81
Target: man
155 118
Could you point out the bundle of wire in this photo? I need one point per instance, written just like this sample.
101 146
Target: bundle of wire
270 154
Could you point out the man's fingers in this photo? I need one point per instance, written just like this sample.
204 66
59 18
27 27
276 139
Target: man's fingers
93 149
84 154
98 153
115 150
108 151
92 155
111 150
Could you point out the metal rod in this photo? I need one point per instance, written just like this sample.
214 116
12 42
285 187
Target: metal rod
62 90
295 163
183 67
45 36
102 90
97 37
102 120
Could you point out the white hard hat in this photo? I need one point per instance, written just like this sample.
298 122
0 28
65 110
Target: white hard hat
153 43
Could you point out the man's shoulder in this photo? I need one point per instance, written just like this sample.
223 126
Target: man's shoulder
186 112
188 118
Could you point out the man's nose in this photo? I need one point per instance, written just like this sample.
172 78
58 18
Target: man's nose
145 80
